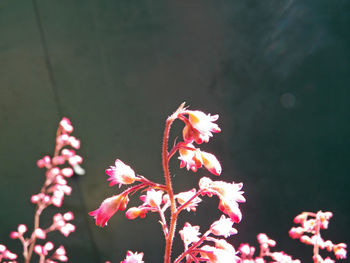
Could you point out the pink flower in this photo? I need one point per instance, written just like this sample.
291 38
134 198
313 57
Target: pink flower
39 233
66 125
43 250
223 227
60 254
264 239
133 257
153 198
296 232
222 252
189 234
108 208
135 212
183 197
246 250
211 163
340 250
193 158
120 174
199 126
229 195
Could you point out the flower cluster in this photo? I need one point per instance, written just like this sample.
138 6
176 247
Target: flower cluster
61 166
211 246
199 128
247 252
309 233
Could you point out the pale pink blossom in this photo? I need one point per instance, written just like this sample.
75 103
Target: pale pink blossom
120 174
211 163
223 252
223 227
228 193
340 250
199 126
191 159
183 197
153 198
135 212
189 234
108 208
133 257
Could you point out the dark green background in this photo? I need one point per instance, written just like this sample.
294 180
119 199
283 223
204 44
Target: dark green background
277 73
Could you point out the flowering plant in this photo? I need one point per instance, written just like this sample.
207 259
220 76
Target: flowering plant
210 246
52 193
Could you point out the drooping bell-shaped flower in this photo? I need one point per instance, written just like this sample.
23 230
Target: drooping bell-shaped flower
108 208
199 126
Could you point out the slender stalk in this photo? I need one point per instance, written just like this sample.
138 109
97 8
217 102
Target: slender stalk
36 226
317 234
168 183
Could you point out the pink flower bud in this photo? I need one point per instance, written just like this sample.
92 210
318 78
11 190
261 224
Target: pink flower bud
108 208
2 248
68 216
39 233
48 246
74 142
67 172
14 235
35 199
74 160
133 213
67 153
22 229
211 163
58 160
306 240
66 125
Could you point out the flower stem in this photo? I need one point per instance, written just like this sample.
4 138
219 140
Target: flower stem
168 183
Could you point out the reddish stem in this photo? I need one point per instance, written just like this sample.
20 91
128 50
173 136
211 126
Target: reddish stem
168 183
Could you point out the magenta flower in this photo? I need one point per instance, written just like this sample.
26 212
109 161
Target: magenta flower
108 208
133 257
120 174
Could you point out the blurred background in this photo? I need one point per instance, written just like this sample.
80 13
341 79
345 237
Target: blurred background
277 73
